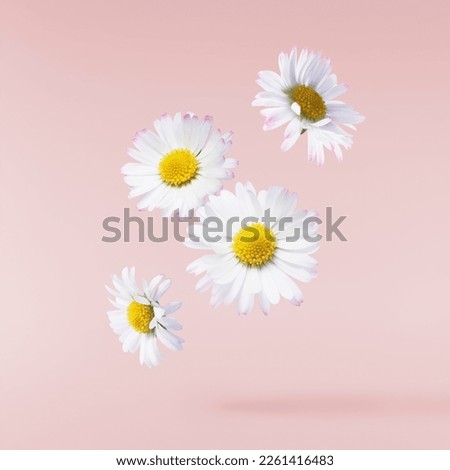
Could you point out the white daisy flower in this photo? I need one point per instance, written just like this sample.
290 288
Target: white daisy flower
303 95
139 318
254 257
180 165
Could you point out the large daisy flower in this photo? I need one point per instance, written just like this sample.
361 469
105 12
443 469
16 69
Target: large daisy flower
303 95
252 256
180 165
139 318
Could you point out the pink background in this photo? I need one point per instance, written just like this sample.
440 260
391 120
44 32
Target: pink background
364 363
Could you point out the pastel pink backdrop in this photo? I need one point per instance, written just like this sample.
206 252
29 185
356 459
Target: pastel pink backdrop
364 363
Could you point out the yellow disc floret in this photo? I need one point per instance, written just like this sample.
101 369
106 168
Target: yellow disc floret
178 167
140 316
312 105
254 245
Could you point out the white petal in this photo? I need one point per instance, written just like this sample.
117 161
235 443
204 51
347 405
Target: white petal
151 356
168 339
295 107
172 307
245 302
276 118
153 284
269 287
252 283
264 302
141 300
162 288
131 342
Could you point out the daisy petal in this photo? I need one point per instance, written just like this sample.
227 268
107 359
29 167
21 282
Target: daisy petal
304 89
139 320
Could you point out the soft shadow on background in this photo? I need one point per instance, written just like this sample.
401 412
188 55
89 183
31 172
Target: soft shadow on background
317 405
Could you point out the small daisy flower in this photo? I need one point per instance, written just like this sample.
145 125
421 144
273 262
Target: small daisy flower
180 165
303 95
139 318
254 257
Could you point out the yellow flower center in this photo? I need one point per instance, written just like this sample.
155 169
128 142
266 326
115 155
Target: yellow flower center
311 103
254 245
140 316
178 167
